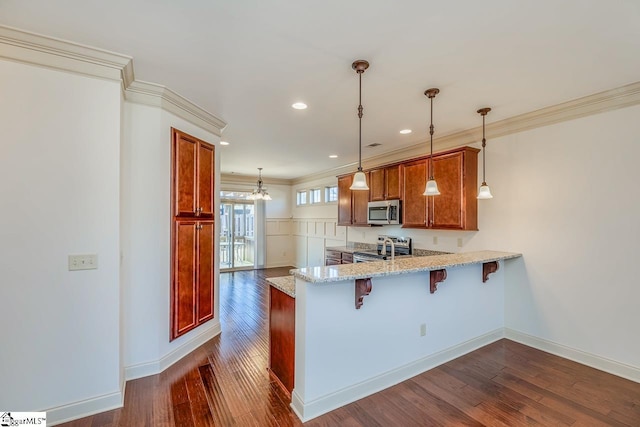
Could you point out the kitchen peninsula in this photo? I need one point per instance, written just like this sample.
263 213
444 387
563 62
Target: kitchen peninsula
360 328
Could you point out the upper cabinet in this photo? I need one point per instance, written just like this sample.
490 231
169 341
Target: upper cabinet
456 208
193 176
352 205
386 183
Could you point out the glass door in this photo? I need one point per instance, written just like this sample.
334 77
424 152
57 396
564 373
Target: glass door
237 237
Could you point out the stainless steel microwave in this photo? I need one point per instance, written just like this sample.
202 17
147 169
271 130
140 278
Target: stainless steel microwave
384 212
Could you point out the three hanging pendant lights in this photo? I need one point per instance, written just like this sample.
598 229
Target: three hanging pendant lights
431 188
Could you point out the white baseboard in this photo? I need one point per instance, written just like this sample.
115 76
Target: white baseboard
309 410
85 408
204 334
607 365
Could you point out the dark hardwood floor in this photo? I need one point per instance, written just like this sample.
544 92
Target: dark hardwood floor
225 383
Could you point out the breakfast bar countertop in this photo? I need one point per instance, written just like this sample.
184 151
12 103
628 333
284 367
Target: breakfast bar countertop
286 284
337 273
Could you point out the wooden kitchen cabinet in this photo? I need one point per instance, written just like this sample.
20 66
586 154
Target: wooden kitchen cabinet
352 205
192 233
192 290
414 204
193 176
386 183
456 173
335 257
456 208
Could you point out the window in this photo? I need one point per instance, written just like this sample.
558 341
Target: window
331 194
301 197
314 196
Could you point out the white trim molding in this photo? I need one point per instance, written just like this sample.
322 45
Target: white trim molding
612 99
309 410
85 408
160 96
157 366
601 363
36 49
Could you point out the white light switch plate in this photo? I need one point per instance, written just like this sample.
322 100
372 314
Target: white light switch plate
83 262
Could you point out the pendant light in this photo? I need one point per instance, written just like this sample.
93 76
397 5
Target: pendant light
432 187
485 191
259 193
360 179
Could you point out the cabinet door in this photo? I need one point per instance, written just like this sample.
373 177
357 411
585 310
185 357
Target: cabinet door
183 292
206 167
204 286
185 152
344 200
446 209
360 205
377 184
414 204
393 182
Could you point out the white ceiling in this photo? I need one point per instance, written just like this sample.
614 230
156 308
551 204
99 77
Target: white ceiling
247 61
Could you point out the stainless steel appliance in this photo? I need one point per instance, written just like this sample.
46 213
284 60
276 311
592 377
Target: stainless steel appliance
384 212
401 248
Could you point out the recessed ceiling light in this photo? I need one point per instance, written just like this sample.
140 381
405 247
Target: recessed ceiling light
333 156
224 143
299 106
405 131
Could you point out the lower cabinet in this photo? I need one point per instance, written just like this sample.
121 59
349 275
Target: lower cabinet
334 257
282 338
192 285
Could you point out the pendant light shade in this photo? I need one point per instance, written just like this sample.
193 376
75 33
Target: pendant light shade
260 193
431 188
359 179
485 191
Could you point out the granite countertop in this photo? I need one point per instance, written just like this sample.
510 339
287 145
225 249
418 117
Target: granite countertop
337 273
352 247
286 284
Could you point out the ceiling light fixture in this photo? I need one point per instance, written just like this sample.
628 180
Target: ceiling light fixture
360 179
432 187
299 106
405 131
224 143
485 191
333 156
259 193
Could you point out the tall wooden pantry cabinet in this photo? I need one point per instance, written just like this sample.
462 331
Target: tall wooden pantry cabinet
192 232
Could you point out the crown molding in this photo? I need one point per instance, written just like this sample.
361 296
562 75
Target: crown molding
22 46
160 96
35 49
612 99
228 178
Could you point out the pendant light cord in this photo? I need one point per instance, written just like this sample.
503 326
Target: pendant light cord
431 135
484 143
360 123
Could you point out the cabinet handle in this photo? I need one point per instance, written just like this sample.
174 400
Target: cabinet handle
199 227
198 211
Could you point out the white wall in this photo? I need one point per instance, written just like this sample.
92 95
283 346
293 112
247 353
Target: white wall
146 216
59 186
566 196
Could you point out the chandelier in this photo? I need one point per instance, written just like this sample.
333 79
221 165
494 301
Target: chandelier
259 193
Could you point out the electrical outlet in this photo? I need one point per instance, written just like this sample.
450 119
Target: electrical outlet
83 262
435 240
459 242
423 329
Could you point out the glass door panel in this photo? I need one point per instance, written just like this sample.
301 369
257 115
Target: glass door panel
237 238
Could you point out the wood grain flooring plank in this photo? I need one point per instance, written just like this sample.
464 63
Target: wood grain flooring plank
225 383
